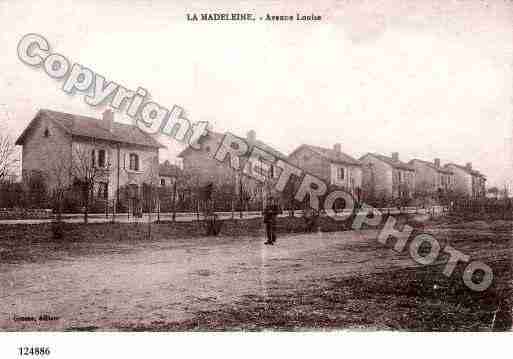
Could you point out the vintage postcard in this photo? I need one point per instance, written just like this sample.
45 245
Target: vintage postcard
249 166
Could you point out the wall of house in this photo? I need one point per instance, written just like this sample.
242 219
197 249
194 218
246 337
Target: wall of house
426 178
352 177
312 163
320 167
376 177
447 184
204 168
403 180
46 154
478 187
462 181
148 163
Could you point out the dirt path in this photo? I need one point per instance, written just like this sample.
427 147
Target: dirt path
173 280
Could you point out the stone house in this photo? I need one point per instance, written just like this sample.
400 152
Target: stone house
62 147
431 179
387 177
468 182
331 165
203 169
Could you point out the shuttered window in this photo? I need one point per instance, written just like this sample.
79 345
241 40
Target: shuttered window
101 158
134 162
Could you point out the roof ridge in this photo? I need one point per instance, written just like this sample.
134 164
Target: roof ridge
432 165
338 156
88 126
391 161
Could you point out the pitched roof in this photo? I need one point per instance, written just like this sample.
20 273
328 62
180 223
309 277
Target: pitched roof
218 137
432 165
84 126
166 169
465 169
390 161
330 154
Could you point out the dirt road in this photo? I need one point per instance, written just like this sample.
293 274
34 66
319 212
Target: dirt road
147 282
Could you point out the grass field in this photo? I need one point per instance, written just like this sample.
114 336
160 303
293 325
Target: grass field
98 279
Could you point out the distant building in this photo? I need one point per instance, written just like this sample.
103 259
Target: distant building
468 182
332 165
432 179
387 177
203 169
168 173
123 154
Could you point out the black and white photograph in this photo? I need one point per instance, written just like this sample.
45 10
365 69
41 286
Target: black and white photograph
313 168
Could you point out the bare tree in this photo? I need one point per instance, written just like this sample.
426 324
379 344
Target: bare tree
86 173
8 157
60 173
180 184
289 194
150 190
243 191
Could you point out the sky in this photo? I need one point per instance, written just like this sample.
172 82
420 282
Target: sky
428 79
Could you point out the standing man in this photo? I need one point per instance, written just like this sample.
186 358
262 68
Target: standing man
270 213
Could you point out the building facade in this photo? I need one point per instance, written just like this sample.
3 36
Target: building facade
468 182
168 173
65 148
431 179
387 177
331 165
200 166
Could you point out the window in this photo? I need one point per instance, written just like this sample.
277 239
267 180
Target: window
101 158
47 133
340 173
134 162
162 182
93 158
258 168
399 175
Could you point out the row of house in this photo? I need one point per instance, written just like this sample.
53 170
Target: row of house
372 175
125 156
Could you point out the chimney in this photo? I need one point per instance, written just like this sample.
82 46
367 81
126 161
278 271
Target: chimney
437 162
395 156
108 119
251 136
469 165
337 147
